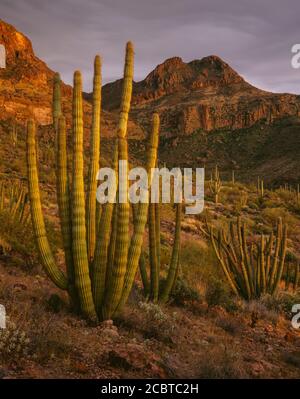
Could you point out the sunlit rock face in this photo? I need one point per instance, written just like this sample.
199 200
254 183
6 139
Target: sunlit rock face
2 56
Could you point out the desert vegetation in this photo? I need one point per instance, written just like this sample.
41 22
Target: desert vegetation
144 290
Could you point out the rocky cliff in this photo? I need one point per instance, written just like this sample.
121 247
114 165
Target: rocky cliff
203 94
26 86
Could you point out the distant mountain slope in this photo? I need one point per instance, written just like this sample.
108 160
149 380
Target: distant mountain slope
26 86
202 94
209 113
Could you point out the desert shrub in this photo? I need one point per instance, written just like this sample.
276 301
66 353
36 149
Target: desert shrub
156 323
198 263
14 342
230 324
218 293
259 311
271 215
222 362
183 293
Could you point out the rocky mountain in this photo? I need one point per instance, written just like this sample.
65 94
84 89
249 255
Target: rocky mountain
202 94
209 113
26 86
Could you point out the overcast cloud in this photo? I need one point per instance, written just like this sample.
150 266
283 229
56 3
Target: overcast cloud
255 37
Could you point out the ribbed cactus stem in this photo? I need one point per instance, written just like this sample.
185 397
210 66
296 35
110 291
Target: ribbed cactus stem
115 287
63 200
94 160
215 184
154 270
79 246
104 234
37 218
141 217
173 268
56 100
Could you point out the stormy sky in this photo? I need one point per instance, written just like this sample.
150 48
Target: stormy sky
255 37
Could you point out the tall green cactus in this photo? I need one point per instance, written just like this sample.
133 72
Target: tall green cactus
101 260
250 271
37 217
161 292
94 161
215 184
56 100
116 280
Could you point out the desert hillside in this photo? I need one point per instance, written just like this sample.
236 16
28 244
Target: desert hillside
207 112
122 290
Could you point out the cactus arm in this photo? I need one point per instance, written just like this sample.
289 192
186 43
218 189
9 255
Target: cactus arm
101 252
281 260
223 265
142 261
173 269
115 286
141 218
56 100
157 233
80 258
63 200
268 257
276 254
262 264
246 258
154 271
94 161
37 218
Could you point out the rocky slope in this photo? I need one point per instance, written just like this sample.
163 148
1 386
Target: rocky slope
208 112
26 85
202 94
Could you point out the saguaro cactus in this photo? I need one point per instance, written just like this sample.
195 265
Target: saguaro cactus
101 262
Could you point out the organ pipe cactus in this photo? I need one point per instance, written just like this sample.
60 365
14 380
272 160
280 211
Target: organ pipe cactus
161 292
15 201
101 261
56 100
94 160
251 270
215 184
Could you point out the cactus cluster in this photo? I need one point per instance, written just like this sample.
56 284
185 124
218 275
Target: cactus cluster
14 200
215 184
101 258
251 270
